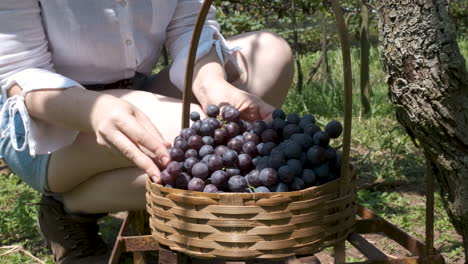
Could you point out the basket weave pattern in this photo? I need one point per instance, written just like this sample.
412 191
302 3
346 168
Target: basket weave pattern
251 225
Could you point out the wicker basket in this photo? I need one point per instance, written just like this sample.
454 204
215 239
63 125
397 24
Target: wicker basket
243 226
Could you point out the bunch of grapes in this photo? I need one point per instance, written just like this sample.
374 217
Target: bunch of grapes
223 153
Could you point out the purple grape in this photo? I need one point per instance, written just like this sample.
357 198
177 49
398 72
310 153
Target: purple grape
259 126
168 186
210 188
206 150
278 125
322 171
308 176
255 160
304 140
269 135
235 144
250 148
220 150
316 155
263 163
219 136
262 189
245 162
304 123
286 174
182 181
296 166
196 126
280 187
196 184
245 126
220 179
200 170
167 178
207 140
181 143
191 153
293 150
212 110
232 129
174 168
189 162
290 130
321 138
194 116
206 158
334 129
267 148
278 114
297 184
293 118
330 153
237 183
251 137
311 129
215 162
232 171
195 142
230 158
207 129
240 138
310 118
186 133
268 177
277 159
231 114
213 121
176 154
253 178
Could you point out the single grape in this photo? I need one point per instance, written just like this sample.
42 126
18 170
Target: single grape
259 126
196 184
206 150
278 125
250 148
191 153
334 129
245 125
195 142
278 114
210 188
255 160
230 158
174 168
220 136
167 178
308 177
230 114
304 123
207 140
181 143
322 171
215 162
251 137
220 150
176 154
293 118
237 183
253 178
268 177
207 129
186 133
280 187
263 163
232 171
277 159
213 121
297 184
196 126
189 162
296 166
240 138
194 116
290 130
309 117
200 170
330 153
212 110
267 148
262 189
311 129
182 181
304 140
269 135
235 145
220 179
293 150
245 162
316 155
286 174
206 158
232 129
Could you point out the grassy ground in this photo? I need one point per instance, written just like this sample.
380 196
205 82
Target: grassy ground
381 152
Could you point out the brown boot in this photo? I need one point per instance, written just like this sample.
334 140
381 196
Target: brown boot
73 238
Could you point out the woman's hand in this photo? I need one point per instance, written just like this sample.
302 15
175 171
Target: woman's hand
121 127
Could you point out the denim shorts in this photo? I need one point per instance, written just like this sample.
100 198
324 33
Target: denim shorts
31 170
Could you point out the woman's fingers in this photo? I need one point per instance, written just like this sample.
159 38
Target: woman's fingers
150 127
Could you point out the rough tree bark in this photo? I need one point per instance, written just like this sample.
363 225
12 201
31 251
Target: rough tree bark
428 84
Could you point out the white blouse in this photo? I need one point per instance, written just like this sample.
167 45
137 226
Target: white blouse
65 43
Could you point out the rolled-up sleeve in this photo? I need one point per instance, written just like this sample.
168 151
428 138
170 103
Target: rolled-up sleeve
179 34
26 61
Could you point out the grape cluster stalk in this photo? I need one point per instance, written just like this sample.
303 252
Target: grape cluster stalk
223 153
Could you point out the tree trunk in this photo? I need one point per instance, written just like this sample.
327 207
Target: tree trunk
324 44
428 84
300 75
365 48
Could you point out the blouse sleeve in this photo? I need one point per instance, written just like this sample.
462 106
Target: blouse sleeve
179 35
26 61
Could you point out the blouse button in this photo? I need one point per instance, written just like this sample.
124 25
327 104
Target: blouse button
129 42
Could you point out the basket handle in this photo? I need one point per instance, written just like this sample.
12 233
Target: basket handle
347 75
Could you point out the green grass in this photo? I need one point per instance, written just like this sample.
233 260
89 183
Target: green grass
381 152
